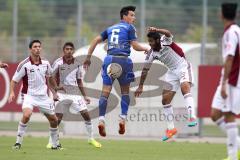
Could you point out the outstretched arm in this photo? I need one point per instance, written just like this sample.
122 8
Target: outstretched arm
166 32
92 47
138 47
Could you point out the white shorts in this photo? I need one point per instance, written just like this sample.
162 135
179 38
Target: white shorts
183 73
43 103
231 103
75 103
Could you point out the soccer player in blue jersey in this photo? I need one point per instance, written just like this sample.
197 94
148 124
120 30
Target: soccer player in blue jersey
120 37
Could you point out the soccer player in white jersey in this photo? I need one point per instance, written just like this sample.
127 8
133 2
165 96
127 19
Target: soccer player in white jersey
67 70
33 71
179 74
226 101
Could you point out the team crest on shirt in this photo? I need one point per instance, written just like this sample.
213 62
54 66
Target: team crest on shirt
31 70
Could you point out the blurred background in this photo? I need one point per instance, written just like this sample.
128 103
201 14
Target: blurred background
56 21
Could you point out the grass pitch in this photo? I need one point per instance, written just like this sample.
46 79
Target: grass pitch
78 149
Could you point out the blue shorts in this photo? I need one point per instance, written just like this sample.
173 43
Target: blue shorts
127 70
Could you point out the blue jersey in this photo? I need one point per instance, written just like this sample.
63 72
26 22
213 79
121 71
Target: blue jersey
119 37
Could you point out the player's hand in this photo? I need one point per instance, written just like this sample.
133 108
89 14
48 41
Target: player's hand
223 91
3 65
87 100
152 29
139 91
55 97
11 97
86 63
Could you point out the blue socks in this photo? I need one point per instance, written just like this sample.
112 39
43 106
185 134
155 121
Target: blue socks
125 103
102 106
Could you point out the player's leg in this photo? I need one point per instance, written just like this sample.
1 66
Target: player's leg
59 114
53 130
46 106
124 80
167 97
106 89
125 100
186 79
232 134
230 110
22 127
27 108
89 128
189 102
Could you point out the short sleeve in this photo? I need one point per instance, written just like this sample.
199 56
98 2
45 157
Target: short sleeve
166 40
49 71
104 35
230 43
132 33
79 72
20 73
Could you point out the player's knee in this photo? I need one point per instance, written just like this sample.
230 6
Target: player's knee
59 116
26 117
165 101
214 116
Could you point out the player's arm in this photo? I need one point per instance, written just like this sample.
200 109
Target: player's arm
12 89
136 46
148 63
92 47
82 90
227 69
166 32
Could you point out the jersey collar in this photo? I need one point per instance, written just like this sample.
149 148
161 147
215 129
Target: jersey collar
31 60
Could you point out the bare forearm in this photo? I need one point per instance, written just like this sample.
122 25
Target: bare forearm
136 46
81 88
227 68
12 86
52 84
143 76
93 45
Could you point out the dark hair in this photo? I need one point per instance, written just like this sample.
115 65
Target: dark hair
154 35
68 44
124 10
34 41
229 10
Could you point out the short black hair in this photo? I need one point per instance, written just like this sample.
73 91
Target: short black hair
154 35
68 44
34 41
229 10
124 10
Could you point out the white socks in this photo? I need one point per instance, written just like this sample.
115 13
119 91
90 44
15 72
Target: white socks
232 146
89 129
189 102
168 112
21 131
54 136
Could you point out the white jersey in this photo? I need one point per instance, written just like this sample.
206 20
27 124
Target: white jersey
231 46
33 76
170 54
67 74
